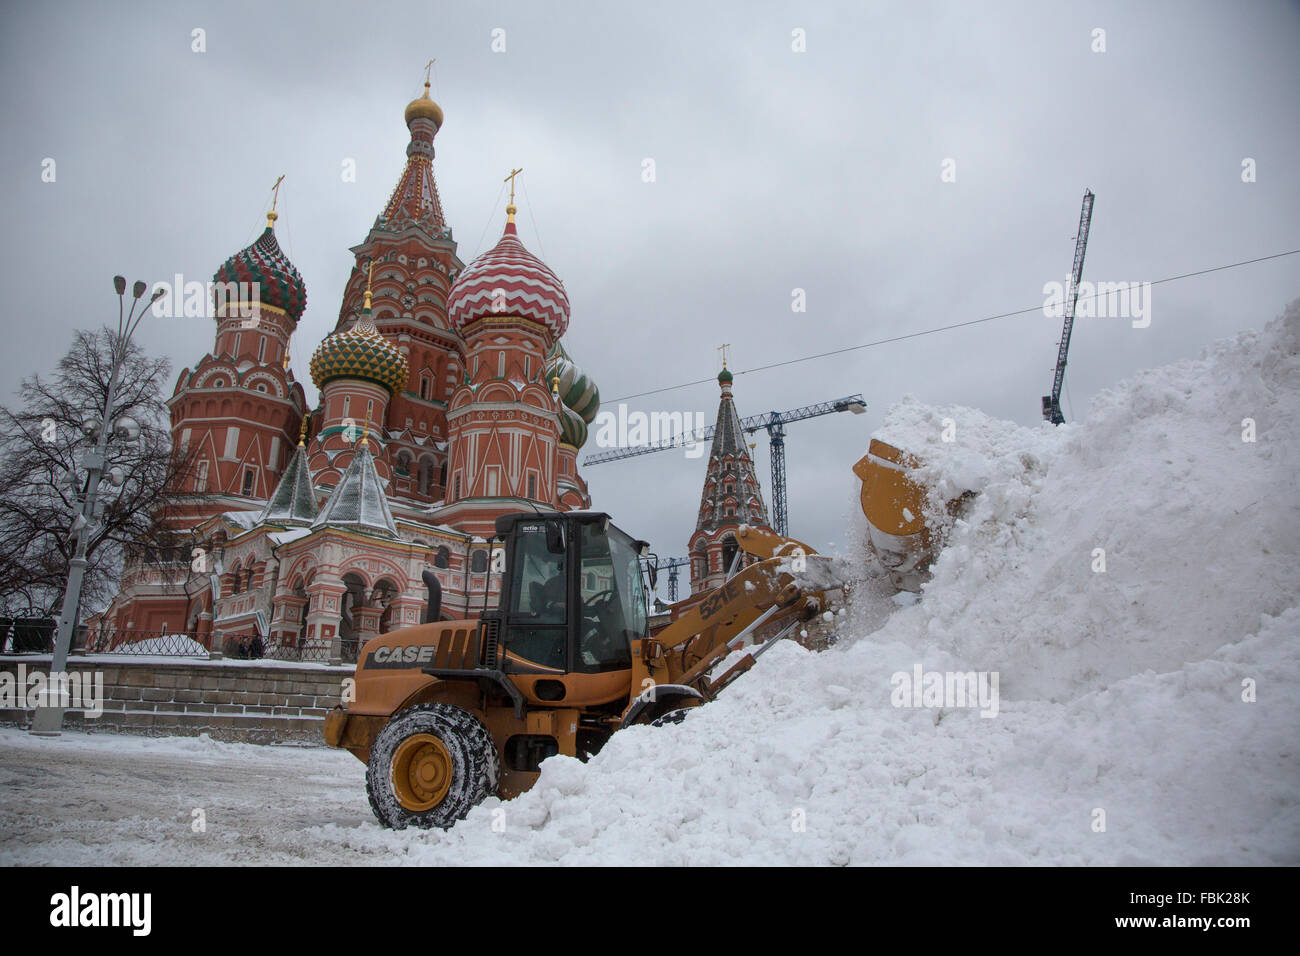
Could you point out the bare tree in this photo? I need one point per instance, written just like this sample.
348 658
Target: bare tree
42 444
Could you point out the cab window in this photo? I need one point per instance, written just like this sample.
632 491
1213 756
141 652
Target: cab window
537 606
613 599
540 593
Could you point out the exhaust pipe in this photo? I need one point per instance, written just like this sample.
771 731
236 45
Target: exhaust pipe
433 608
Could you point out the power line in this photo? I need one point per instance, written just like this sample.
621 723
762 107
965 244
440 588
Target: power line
491 216
531 218
942 328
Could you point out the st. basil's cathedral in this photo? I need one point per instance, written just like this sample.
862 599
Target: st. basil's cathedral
446 399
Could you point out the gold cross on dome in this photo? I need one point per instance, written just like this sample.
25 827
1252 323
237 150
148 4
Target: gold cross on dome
511 180
723 349
370 279
275 192
428 68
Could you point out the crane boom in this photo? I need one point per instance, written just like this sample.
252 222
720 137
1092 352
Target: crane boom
1052 403
773 422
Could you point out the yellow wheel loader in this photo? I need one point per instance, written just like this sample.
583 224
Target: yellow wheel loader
450 712
894 506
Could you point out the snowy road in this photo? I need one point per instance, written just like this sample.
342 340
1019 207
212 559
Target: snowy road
110 799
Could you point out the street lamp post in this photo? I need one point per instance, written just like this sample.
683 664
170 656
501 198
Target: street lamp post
47 720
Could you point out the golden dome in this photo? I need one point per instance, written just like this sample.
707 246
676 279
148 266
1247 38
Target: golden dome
424 107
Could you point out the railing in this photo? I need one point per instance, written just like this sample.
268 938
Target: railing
26 634
34 635
305 650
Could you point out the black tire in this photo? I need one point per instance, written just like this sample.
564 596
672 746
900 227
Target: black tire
474 766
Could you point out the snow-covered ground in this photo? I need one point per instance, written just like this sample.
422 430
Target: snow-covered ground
1159 697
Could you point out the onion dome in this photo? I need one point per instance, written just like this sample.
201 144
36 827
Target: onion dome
578 394
280 285
360 352
424 107
724 377
573 430
508 281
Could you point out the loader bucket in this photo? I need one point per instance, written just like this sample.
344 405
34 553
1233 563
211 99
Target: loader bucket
893 505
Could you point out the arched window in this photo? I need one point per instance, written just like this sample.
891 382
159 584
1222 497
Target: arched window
442 558
478 560
426 386
729 549
442 476
426 475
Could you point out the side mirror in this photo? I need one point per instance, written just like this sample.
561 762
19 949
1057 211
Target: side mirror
554 537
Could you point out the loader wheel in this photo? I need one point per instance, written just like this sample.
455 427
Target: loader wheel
429 766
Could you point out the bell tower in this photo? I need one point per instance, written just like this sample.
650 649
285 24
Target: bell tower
731 496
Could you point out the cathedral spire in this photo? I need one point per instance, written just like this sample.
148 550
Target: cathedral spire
730 500
731 493
415 201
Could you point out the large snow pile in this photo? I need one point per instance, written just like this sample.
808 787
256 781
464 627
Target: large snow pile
1148 712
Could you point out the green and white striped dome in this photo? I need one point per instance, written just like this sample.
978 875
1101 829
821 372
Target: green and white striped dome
577 391
573 430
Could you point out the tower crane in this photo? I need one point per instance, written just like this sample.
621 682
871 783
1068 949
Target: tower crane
773 422
671 565
1052 403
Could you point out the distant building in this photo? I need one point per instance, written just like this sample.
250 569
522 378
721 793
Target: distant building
446 399
731 498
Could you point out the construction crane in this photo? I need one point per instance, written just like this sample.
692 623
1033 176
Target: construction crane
773 422
1052 403
670 565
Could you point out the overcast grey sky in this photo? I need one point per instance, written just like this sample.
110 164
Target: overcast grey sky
775 170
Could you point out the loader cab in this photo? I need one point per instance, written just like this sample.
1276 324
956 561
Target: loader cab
573 599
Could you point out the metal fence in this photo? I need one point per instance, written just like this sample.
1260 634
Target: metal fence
26 634
309 650
33 635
